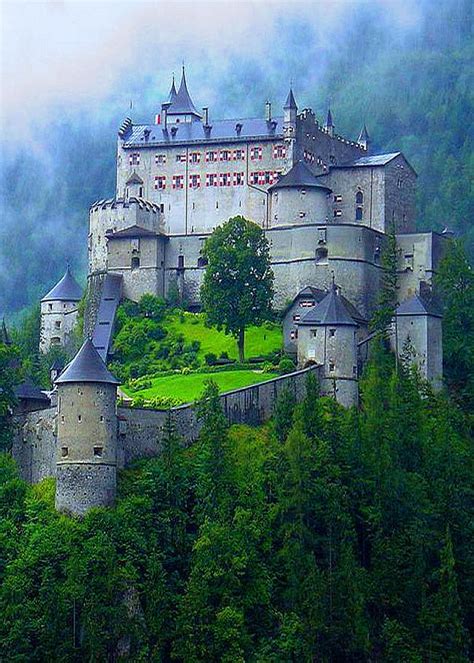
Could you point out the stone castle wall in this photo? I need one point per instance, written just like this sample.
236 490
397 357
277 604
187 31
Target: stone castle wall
140 431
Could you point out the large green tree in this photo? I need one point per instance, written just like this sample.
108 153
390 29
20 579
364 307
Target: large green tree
237 289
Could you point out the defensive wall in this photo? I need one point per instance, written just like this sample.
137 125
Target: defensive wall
140 431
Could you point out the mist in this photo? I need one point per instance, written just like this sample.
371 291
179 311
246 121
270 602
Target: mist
71 70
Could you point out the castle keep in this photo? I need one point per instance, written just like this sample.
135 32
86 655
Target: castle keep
326 203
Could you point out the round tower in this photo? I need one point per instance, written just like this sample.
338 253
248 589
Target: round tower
59 310
327 337
298 198
86 460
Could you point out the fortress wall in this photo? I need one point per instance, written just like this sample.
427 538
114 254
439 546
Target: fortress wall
419 258
303 205
95 284
149 276
140 431
400 192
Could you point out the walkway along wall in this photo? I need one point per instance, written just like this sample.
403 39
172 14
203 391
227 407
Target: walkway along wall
140 430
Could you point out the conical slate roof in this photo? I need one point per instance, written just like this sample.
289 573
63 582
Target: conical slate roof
299 176
87 366
182 102
330 311
173 94
329 122
364 135
416 305
290 101
66 290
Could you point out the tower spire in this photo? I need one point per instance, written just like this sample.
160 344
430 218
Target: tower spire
364 138
329 126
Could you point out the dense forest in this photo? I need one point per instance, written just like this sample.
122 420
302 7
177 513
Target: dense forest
329 535
412 85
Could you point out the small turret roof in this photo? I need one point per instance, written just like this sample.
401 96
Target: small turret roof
329 122
182 102
299 176
173 94
364 135
87 366
417 305
66 290
330 311
134 179
290 102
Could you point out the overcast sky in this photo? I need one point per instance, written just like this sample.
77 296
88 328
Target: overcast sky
75 54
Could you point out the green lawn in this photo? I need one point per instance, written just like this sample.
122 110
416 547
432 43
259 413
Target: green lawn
189 387
258 340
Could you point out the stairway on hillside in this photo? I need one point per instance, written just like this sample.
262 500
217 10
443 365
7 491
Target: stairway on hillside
104 325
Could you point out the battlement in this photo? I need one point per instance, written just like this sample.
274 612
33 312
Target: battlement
121 203
307 115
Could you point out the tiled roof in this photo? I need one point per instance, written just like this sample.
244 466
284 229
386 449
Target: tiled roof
87 366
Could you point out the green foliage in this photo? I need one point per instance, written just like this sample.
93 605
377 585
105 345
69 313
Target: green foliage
10 376
341 534
286 365
387 298
455 280
237 288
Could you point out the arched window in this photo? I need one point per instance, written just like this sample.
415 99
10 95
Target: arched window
202 262
358 213
359 198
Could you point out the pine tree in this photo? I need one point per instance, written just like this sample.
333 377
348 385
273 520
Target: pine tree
387 299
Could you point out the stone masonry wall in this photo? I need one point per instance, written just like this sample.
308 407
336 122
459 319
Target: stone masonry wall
140 431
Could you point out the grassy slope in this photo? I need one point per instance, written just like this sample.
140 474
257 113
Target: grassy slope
258 340
190 387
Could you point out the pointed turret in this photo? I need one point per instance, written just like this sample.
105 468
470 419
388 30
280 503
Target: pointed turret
290 110
329 126
364 138
181 108
87 366
65 290
290 103
173 94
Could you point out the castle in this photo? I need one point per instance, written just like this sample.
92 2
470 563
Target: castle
327 205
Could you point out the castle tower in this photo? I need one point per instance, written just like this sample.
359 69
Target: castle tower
86 460
327 337
364 138
59 311
290 111
417 335
329 126
181 107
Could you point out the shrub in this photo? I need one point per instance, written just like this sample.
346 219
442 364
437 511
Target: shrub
286 365
210 358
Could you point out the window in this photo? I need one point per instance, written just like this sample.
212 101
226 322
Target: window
238 179
332 332
226 155
256 153
55 340
180 158
279 151
98 451
321 254
180 262
195 157
79 417
359 198
162 208
332 367
211 156
409 261
337 212
160 182
140 192
358 213
178 181
322 235
302 215
254 178
134 159
307 303
135 262
354 370
239 155
202 262
160 159
212 179
194 181
225 179
313 333
293 334
64 451
296 317
338 198
50 307
57 324
399 182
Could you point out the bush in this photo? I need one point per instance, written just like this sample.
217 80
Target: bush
285 366
224 355
210 358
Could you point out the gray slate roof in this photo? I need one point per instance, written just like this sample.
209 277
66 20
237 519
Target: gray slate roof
66 290
375 160
87 366
194 132
364 135
417 305
330 311
134 179
290 100
181 102
299 176
29 391
131 231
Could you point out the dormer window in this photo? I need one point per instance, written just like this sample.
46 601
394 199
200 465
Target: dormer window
359 198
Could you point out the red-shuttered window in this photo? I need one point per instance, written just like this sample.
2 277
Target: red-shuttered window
160 182
178 181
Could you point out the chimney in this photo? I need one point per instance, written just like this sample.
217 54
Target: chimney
268 111
164 113
206 115
147 133
238 128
